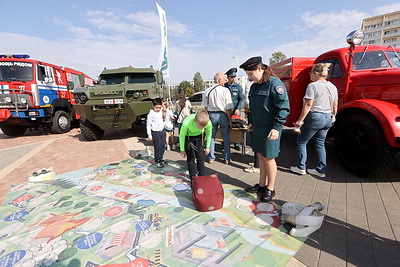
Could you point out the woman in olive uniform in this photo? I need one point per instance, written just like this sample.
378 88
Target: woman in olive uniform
269 107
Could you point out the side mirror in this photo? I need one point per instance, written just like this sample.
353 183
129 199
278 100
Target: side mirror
70 86
355 37
159 77
82 80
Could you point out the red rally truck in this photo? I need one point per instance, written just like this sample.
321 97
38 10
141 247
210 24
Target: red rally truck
367 127
37 94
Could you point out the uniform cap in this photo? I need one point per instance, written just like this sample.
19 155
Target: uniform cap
252 63
231 72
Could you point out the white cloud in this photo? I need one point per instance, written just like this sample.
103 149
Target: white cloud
320 32
387 9
113 40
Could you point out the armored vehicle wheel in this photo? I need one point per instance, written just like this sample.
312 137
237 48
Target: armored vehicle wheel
12 130
361 146
90 131
61 122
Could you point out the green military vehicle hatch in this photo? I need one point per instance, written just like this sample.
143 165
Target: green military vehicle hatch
120 98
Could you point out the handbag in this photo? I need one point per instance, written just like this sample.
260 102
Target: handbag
333 117
179 113
207 193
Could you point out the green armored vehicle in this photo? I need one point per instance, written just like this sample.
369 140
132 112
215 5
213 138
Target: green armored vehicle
120 98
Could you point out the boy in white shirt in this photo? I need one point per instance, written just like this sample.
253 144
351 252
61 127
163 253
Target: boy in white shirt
155 126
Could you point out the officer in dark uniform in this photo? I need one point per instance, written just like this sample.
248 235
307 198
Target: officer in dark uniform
269 107
237 94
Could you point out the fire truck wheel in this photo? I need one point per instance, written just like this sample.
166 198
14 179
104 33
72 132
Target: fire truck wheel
61 122
90 131
12 130
361 146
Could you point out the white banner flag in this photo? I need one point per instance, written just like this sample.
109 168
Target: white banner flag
163 60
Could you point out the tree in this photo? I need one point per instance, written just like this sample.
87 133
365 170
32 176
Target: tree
188 87
198 83
276 57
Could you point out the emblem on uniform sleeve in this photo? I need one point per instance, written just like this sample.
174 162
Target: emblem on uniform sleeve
280 89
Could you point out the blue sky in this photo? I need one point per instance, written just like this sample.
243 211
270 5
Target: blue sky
203 36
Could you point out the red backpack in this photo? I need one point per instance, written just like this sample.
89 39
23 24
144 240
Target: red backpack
207 193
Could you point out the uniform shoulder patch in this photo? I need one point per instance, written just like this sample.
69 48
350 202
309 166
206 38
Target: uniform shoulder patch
280 89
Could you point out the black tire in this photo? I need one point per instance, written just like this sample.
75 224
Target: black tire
61 122
361 146
90 131
12 130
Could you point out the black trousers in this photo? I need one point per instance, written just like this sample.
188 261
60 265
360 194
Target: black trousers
194 147
159 144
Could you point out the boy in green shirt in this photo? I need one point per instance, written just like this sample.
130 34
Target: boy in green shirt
191 140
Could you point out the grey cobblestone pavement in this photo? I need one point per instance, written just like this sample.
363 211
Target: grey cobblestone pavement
362 222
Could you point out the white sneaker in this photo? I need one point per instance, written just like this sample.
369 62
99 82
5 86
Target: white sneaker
297 170
315 172
173 147
252 170
168 147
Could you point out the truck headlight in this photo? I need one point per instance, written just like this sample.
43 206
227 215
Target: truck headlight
8 99
82 97
136 95
23 100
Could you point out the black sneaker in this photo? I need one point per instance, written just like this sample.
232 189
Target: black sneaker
255 189
160 164
267 195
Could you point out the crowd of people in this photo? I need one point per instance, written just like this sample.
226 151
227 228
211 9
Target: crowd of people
266 104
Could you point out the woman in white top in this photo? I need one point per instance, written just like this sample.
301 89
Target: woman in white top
319 108
183 108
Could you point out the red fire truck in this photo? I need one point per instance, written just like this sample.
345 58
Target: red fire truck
367 127
37 94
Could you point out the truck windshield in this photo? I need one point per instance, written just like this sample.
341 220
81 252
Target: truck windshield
394 58
16 71
112 78
142 78
370 60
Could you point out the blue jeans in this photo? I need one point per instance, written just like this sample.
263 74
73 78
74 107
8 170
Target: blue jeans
316 126
220 119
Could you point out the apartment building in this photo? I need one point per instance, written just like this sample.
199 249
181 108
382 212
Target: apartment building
382 30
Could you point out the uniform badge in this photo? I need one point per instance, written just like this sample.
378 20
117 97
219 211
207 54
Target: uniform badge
280 89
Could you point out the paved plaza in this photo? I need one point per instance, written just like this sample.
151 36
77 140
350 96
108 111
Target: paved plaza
362 222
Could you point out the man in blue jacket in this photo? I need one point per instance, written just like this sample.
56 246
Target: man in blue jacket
237 94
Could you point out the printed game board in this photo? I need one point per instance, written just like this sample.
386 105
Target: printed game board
131 213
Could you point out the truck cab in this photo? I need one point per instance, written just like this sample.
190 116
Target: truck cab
367 127
120 98
36 94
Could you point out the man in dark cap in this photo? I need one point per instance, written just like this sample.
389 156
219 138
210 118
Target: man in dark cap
237 94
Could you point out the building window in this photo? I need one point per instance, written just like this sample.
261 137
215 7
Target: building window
391 40
391 22
390 32
373 34
373 26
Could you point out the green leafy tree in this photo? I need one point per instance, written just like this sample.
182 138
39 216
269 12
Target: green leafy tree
188 87
276 57
198 83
